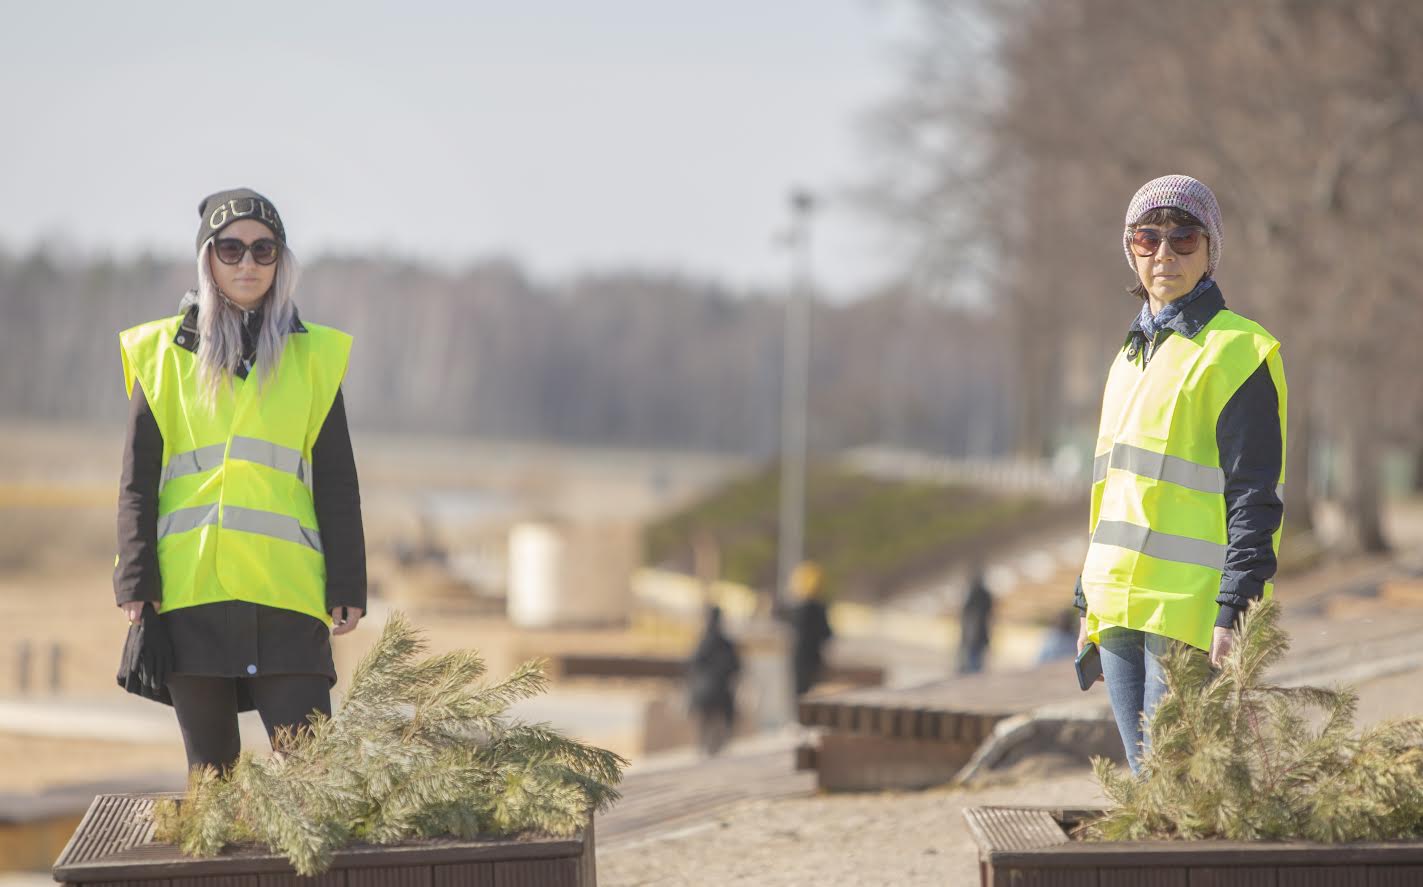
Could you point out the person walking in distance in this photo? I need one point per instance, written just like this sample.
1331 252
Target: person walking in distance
239 516
810 625
711 684
975 621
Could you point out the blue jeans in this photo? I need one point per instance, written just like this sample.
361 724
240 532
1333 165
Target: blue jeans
1136 681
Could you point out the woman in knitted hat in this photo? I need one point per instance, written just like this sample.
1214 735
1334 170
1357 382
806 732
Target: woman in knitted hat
1187 494
239 509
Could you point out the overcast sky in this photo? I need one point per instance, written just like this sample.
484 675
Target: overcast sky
570 135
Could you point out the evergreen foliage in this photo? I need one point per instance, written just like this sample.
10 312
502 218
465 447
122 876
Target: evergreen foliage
417 749
1235 758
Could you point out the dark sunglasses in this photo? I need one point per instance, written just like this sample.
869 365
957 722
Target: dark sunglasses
230 250
1184 240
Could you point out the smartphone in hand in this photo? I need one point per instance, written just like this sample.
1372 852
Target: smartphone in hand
1089 666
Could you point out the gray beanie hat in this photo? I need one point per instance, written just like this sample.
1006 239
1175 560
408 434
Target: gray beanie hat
1181 192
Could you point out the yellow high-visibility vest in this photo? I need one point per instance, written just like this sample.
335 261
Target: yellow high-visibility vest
1158 519
236 518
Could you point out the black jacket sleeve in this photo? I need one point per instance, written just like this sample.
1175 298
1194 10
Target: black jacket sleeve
337 495
1251 454
136 576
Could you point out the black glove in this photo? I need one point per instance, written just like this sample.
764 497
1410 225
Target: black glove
148 658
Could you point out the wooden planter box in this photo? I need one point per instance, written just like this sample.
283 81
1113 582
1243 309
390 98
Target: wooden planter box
1029 847
114 847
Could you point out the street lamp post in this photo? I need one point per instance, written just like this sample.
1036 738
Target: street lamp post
795 384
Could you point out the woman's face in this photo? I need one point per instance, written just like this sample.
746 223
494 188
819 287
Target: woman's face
245 283
1167 276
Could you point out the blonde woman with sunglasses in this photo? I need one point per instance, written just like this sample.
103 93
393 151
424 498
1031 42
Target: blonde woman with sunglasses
239 524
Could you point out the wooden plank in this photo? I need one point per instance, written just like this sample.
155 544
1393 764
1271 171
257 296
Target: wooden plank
1395 875
475 874
1042 877
1142 877
1231 876
1215 854
329 879
215 881
115 842
391 876
538 873
1322 876
805 757
588 862
1013 828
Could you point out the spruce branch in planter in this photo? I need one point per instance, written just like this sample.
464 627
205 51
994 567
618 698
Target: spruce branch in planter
418 749
1236 758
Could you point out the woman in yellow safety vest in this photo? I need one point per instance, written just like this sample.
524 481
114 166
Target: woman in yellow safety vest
239 509
1187 494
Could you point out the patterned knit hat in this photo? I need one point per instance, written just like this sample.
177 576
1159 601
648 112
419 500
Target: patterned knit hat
219 210
1181 192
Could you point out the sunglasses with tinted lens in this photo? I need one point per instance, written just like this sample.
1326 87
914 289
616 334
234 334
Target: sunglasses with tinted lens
230 250
1184 240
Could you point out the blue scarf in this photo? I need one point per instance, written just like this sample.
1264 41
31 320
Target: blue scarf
1152 324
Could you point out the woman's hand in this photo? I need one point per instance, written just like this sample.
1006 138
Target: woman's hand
345 619
1082 640
1222 642
133 610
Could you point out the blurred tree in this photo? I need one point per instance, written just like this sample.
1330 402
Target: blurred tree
1023 128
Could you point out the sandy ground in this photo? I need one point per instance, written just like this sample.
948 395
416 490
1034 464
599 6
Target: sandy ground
892 838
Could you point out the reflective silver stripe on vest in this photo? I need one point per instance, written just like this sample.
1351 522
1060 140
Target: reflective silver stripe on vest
185 519
1182 472
193 462
1159 466
250 449
269 523
1163 546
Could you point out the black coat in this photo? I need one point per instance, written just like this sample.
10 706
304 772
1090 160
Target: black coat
712 672
976 617
237 638
810 624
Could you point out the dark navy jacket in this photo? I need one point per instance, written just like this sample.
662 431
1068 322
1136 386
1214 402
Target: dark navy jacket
1251 454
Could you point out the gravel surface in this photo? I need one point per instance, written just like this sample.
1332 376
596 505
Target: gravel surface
892 838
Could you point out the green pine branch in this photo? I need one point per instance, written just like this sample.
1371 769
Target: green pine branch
1236 758
418 748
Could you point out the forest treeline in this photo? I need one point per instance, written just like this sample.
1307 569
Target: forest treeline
620 358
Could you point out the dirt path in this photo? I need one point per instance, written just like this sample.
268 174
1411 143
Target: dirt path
898 838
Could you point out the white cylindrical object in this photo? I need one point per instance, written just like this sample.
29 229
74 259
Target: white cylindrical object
571 574
536 557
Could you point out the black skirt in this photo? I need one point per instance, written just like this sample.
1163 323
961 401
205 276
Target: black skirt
238 639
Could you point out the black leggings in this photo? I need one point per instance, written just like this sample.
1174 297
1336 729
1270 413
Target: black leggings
207 710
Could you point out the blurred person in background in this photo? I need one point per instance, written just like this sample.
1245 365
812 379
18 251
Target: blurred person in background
975 619
1189 472
239 517
1060 639
810 626
711 684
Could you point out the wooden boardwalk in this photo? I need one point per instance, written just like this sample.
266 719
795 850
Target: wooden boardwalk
672 797
1342 630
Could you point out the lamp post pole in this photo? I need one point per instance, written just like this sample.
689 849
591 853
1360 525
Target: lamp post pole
795 384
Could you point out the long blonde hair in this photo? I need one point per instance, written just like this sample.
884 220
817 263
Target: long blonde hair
220 326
